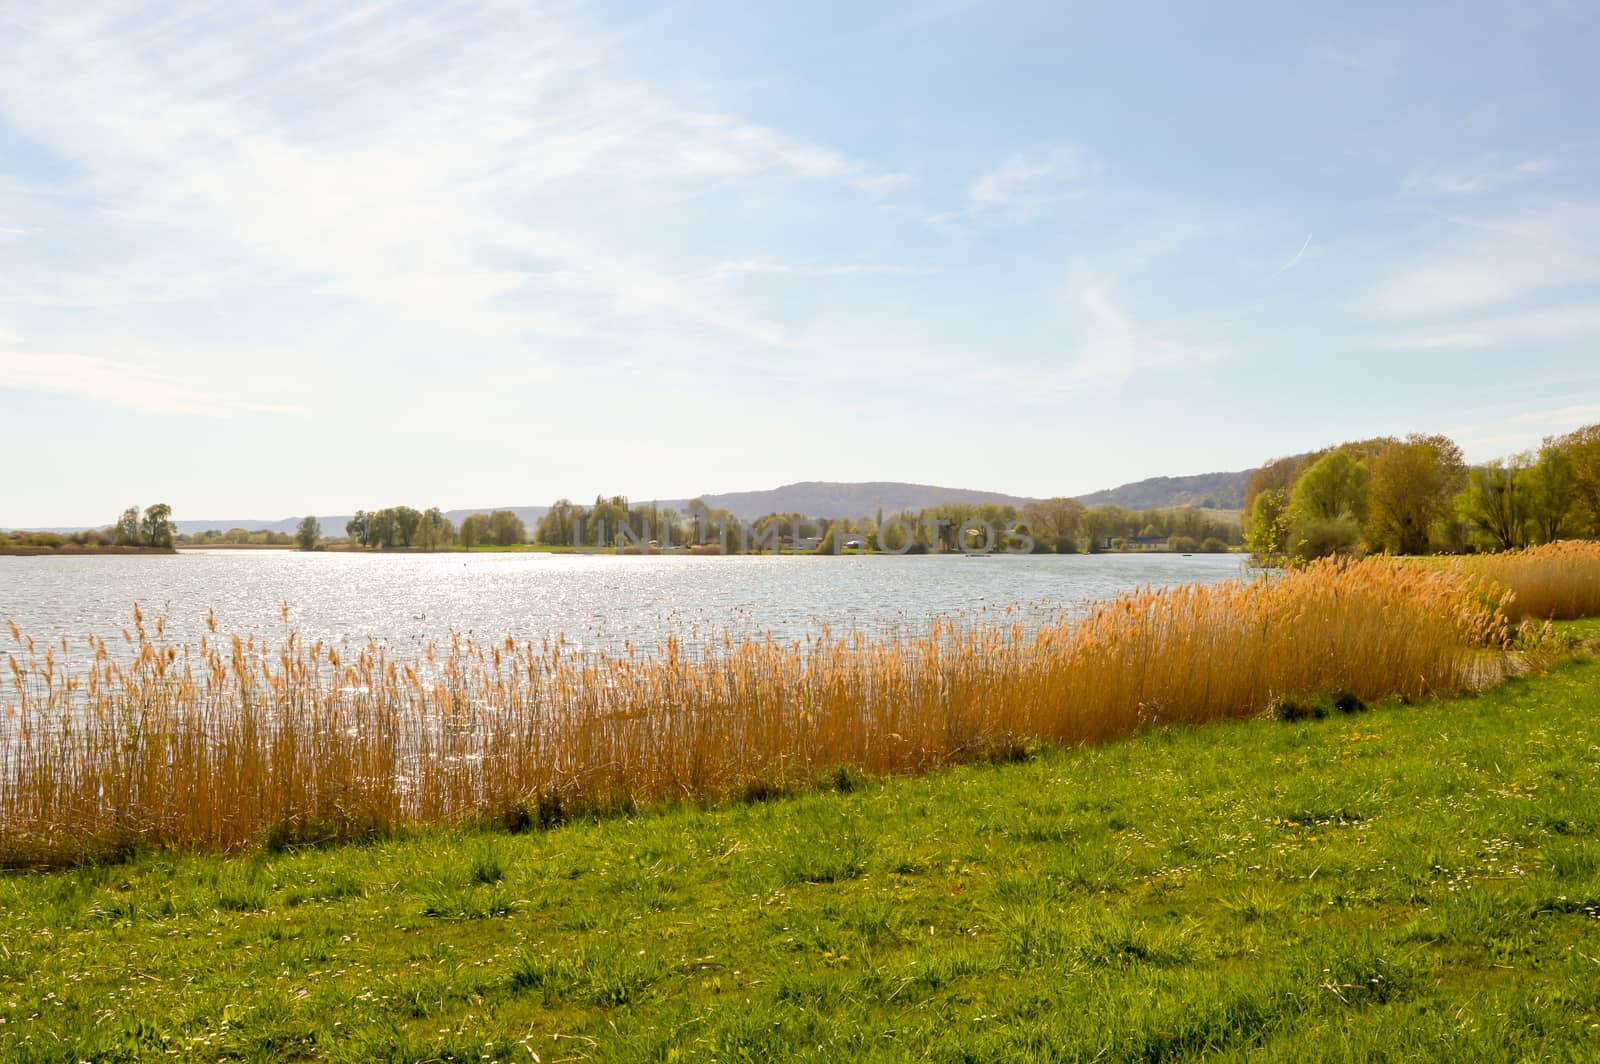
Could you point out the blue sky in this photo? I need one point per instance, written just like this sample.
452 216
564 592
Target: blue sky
260 260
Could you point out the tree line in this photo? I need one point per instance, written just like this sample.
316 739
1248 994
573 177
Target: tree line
1058 525
1417 495
430 529
151 528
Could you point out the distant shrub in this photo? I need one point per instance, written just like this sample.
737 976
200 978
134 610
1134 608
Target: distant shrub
1213 545
1183 544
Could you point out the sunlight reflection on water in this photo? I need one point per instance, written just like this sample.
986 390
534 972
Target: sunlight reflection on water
597 602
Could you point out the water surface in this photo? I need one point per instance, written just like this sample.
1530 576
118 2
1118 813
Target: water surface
597 601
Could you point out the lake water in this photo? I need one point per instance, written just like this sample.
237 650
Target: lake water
599 602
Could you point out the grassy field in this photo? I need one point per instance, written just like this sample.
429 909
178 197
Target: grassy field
1414 881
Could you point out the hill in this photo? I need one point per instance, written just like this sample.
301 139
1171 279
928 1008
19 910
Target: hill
826 498
1212 491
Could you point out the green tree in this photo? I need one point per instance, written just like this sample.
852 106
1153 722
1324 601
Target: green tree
1277 475
434 530
507 529
1334 485
308 533
1100 523
1583 451
1268 527
406 522
381 528
157 529
1412 488
129 533
356 527
1054 522
1546 489
1494 506
559 525
474 530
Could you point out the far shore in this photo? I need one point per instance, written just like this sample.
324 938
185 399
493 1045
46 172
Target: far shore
701 551
76 551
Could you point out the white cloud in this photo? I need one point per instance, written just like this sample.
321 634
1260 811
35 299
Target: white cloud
1438 341
1512 432
1486 264
118 384
1111 343
411 162
746 267
1028 181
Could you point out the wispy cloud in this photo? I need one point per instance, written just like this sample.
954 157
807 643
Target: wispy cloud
1111 342
1553 326
1298 255
760 267
1492 262
1370 59
1454 341
1513 431
423 195
1027 182
119 384
1481 177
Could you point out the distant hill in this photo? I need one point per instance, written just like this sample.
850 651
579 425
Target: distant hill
1213 491
825 498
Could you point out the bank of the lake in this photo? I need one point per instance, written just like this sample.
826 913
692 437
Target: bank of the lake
1417 881
76 551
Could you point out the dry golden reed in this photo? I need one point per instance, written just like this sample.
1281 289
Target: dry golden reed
231 742
1555 582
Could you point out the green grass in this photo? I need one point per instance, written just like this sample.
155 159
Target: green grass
1412 881
1586 630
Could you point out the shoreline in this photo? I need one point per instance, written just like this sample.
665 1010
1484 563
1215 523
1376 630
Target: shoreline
82 552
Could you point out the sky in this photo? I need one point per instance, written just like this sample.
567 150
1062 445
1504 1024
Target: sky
259 260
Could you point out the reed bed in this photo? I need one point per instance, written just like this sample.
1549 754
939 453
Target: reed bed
229 743
1554 582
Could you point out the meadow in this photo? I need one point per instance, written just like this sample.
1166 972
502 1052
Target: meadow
1417 881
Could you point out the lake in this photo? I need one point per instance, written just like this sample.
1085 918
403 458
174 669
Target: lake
599 602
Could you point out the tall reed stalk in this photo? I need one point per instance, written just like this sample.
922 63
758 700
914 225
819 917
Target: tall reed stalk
1554 582
232 742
